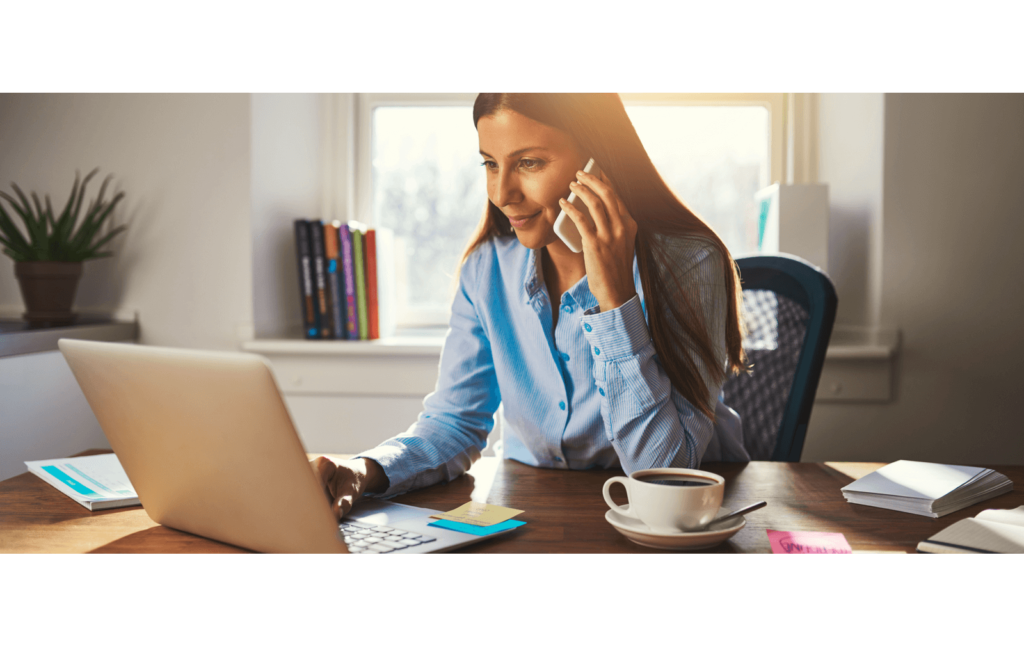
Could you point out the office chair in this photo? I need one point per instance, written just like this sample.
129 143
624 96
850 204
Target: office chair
789 307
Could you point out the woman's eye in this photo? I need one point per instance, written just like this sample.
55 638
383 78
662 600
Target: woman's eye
489 164
530 163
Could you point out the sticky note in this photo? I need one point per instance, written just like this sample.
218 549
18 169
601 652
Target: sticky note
808 543
478 513
477 529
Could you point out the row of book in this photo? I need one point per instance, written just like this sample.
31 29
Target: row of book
339 278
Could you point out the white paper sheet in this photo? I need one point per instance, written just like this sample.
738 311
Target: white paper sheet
1006 516
978 535
927 481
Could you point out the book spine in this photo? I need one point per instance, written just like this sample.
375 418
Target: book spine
385 240
351 319
316 232
358 248
303 252
334 280
371 284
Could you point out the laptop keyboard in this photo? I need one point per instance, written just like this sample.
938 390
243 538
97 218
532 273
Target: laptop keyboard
364 538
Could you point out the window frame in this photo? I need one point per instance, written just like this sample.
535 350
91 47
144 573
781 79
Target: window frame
359 116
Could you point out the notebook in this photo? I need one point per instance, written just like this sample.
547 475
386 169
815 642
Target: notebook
991 531
95 482
926 489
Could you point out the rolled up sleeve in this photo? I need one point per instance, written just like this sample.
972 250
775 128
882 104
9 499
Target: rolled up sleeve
457 417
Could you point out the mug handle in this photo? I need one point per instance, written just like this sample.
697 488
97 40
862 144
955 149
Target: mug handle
608 496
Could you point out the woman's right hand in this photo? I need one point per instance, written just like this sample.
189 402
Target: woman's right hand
344 482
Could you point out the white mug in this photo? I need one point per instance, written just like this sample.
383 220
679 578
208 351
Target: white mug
665 508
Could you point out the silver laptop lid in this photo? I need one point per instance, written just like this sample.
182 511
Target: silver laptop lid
207 443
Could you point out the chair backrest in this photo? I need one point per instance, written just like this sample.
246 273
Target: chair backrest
789 307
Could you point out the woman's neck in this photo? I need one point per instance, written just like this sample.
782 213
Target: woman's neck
562 268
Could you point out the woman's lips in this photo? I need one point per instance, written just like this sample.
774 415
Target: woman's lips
520 220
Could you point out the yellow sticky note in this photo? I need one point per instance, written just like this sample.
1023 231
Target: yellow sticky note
479 513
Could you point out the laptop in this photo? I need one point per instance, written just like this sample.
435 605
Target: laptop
209 446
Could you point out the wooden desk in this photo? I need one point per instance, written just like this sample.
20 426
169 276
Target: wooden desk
564 511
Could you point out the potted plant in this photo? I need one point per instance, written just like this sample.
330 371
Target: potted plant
48 257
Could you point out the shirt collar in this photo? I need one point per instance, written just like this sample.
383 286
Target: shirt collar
533 280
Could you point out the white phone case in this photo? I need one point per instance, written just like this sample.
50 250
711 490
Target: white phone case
565 228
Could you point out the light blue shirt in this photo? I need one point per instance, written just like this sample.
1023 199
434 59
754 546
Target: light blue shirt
589 393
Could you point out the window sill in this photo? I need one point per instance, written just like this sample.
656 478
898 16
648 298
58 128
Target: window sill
401 366
859 364
401 346
854 343
17 339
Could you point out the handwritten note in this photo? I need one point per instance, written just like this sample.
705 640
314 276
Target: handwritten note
479 513
808 543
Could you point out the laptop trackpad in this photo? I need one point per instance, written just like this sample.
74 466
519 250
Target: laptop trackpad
382 512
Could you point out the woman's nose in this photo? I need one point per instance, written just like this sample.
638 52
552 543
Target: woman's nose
506 189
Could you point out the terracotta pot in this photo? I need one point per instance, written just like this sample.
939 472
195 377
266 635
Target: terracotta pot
48 289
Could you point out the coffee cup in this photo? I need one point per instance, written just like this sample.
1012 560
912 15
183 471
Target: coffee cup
670 500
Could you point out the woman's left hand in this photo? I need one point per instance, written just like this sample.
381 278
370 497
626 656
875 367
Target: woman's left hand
608 237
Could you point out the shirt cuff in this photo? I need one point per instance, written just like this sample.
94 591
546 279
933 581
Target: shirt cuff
387 456
618 333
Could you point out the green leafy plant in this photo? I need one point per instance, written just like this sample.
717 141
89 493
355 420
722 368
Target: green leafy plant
63 237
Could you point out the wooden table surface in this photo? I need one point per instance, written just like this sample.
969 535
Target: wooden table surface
564 511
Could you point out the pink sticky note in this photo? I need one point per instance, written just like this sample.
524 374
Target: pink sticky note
808 543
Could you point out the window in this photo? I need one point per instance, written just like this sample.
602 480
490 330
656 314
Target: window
418 174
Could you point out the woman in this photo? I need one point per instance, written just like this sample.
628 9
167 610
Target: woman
561 337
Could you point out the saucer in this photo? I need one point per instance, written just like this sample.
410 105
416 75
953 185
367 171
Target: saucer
641 534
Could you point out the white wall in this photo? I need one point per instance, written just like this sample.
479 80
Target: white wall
953 206
850 160
184 265
183 159
43 413
213 183
287 157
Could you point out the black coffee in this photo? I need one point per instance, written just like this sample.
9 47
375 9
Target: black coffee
669 480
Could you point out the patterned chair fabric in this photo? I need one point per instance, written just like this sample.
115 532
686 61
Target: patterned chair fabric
776 329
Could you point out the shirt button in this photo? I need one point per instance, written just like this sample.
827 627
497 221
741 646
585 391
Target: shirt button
601 390
558 459
561 404
587 327
565 356
567 308
597 351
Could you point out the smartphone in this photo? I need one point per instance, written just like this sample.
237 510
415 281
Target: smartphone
565 228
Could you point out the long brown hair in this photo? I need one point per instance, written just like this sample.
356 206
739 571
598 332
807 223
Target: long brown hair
602 130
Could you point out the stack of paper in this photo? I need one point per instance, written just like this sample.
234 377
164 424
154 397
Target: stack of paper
96 482
927 489
991 531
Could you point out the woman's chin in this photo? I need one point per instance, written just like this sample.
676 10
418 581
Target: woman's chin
535 238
